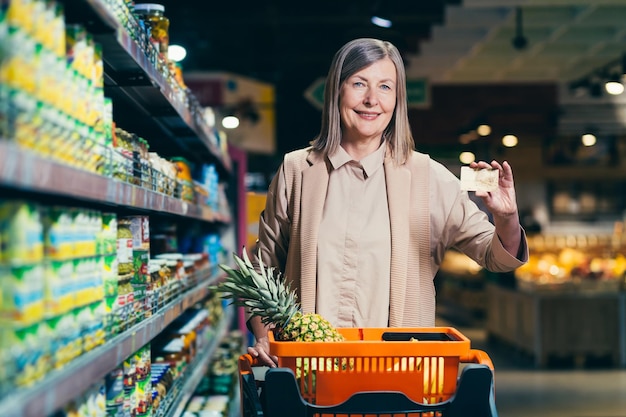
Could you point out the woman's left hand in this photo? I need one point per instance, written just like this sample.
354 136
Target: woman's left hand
501 202
503 206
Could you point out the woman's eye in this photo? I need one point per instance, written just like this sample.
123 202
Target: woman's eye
358 84
385 87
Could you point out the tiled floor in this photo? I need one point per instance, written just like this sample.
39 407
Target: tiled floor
562 390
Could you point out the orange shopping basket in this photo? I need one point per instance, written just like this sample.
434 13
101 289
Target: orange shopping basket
375 372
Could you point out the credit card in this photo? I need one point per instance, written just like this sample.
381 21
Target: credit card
479 179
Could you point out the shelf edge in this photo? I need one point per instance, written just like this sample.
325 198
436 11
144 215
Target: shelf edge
25 170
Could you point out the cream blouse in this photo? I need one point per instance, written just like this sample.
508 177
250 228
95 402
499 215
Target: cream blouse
354 246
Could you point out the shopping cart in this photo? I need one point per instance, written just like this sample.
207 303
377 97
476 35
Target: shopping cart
409 372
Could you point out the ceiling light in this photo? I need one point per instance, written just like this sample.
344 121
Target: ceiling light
230 122
509 141
381 22
176 53
484 130
588 139
614 87
467 157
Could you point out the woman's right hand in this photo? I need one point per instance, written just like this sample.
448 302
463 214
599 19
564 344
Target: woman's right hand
261 351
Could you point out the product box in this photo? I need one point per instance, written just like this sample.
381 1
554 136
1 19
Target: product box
140 228
22 293
21 233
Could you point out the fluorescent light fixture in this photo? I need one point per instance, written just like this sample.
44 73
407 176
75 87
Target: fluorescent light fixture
381 22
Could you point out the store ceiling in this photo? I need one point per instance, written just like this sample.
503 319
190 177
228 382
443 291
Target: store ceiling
276 40
564 40
450 42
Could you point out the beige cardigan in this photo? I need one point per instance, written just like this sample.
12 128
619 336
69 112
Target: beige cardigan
428 214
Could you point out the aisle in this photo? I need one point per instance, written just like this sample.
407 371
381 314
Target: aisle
523 390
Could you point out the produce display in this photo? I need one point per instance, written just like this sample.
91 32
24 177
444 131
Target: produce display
585 262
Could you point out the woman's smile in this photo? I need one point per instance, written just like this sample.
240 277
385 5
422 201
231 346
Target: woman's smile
367 101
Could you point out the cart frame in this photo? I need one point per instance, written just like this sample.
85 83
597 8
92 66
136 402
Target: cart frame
278 396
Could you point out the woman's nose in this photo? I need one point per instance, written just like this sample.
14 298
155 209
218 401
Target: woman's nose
370 97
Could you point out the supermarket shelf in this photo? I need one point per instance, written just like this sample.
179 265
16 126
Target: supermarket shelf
199 368
144 102
60 387
23 169
235 402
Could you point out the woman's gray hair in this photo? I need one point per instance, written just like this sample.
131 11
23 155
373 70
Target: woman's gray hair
351 58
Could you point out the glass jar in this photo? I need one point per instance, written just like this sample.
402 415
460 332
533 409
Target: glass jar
153 16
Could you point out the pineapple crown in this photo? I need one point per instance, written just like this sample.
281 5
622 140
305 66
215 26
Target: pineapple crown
263 291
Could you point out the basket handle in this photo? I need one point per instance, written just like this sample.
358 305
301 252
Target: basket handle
478 356
250 402
247 361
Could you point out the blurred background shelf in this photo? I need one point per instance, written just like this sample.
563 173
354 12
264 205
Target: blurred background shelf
555 324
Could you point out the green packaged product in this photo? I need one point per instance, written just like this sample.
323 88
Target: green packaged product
124 248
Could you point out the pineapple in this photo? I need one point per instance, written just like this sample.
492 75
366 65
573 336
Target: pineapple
266 294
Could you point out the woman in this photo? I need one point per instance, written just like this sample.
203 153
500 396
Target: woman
359 221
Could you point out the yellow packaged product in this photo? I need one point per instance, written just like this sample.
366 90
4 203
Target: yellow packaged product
124 248
76 47
22 288
58 287
59 233
57 30
22 233
29 352
184 178
42 19
28 123
65 340
19 68
88 280
85 227
20 14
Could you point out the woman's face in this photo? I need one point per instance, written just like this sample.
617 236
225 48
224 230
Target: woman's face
367 100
